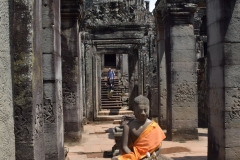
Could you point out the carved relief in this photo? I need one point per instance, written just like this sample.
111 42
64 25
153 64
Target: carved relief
234 112
164 94
69 99
20 128
60 107
48 111
112 13
184 93
38 129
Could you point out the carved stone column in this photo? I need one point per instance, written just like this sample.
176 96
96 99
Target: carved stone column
89 79
181 71
223 80
161 70
28 86
7 148
124 66
141 54
201 50
71 70
52 81
133 76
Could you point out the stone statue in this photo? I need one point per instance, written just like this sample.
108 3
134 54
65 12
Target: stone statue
141 137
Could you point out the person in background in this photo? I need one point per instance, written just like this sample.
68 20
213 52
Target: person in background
111 76
110 83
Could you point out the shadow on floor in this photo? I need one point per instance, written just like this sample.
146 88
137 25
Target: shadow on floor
105 154
191 158
203 134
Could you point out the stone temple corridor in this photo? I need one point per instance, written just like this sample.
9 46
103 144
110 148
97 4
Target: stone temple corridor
54 58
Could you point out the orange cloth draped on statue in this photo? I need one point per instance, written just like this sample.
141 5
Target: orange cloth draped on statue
149 140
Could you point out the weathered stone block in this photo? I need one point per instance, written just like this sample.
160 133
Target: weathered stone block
183 134
216 79
216 117
232 34
182 30
183 55
48 67
232 137
181 119
231 53
184 92
233 153
7 136
183 43
49 91
215 11
216 29
48 40
154 108
216 55
72 115
184 66
216 142
181 77
232 76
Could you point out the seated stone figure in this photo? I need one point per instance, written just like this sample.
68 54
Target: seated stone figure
141 137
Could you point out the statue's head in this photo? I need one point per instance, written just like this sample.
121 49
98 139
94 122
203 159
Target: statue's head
141 107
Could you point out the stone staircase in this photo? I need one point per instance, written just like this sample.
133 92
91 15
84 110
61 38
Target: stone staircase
111 109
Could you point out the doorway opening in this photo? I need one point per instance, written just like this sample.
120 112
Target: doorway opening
110 60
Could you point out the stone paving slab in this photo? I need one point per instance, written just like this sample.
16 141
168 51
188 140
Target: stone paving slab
98 139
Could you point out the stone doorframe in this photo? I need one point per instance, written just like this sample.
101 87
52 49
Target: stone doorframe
97 71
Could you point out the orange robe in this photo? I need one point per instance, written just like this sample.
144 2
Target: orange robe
149 140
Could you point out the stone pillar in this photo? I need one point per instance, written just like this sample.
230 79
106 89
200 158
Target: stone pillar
52 81
141 53
7 148
124 66
99 76
70 71
95 88
89 80
28 86
223 80
181 73
118 61
153 80
133 76
161 71
83 76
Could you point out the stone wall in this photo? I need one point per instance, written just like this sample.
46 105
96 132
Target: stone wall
28 87
7 138
223 79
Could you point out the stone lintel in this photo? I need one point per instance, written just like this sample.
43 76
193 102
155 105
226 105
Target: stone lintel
113 50
176 13
115 46
118 41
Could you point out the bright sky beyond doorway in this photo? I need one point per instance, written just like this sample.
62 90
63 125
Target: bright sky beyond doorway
152 5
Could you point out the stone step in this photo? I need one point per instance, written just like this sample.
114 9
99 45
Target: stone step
111 107
110 104
108 117
105 103
115 112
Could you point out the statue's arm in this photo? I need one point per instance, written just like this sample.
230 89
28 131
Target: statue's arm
125 138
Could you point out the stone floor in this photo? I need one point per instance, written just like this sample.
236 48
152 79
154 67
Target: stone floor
97 142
